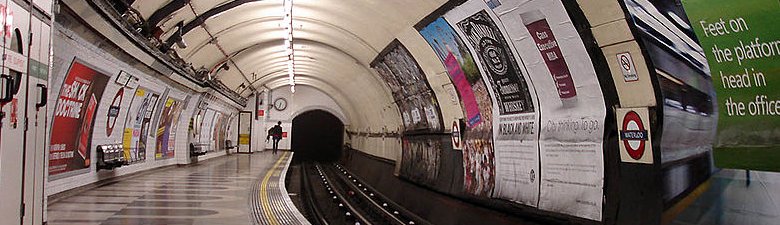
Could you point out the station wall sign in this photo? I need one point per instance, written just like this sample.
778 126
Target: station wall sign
634 135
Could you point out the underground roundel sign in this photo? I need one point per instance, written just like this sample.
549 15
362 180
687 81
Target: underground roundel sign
457 141
635 146
113 111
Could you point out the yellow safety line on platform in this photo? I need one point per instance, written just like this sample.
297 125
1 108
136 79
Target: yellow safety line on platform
264 191
670 214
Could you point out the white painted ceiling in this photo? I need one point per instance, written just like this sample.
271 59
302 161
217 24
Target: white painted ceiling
335 41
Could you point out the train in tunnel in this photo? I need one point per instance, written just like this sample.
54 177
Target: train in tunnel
555 111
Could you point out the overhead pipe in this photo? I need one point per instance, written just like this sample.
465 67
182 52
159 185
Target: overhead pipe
201 19
228 58
102 8
164 12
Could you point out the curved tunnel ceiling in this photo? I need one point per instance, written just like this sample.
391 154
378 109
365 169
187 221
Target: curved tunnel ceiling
334 43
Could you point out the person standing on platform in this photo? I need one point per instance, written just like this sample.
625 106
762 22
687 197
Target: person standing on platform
276 133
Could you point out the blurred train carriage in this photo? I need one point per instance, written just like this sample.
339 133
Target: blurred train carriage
688 112
23 98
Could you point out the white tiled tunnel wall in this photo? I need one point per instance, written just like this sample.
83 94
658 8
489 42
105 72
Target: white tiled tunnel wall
70 45
305 99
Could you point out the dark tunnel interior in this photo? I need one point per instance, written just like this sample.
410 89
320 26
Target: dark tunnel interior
317 135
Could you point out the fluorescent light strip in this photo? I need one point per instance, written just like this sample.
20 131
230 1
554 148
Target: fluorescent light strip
288 43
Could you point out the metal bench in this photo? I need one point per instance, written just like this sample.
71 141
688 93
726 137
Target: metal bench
198 149
110 156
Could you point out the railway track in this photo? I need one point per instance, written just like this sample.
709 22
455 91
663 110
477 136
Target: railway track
333 195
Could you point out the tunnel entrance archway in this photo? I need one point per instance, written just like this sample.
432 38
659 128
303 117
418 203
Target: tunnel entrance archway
317 135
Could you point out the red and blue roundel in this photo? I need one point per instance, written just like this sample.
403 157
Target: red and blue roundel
634 135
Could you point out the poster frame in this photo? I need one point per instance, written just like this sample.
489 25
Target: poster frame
611 157
88 168
379 58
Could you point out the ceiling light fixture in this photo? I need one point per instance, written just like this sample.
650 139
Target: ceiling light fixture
288 43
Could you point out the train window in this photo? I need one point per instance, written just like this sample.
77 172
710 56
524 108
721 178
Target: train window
17 46
16 42
684 97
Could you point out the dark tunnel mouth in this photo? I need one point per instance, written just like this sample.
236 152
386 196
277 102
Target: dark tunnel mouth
317 135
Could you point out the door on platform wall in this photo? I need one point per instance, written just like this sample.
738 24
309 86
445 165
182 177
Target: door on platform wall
23 95
244 131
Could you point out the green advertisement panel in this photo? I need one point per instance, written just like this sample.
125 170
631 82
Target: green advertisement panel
741 40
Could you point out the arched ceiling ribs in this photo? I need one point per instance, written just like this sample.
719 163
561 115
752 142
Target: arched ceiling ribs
278 79
305 71
336 94
227 58
273 19
201 19
268 62
334 67
281 72
231 28
323 72
266 74
345 103
341 29
281 58
305 78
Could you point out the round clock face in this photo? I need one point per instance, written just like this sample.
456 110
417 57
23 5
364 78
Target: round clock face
280 104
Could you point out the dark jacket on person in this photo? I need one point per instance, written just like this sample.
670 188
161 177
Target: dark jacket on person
275 131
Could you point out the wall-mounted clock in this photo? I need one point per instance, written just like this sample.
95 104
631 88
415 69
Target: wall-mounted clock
280 104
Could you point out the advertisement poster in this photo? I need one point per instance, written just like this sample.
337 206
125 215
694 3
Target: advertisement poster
515 123
421 159
219 132
475 102
74 117
506 80
206 128
410 89
571 104
195 125
166 130
174 127
138 124
742 46
459 64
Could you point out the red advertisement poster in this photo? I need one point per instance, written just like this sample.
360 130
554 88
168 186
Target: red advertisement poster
552 55
464 89
71 130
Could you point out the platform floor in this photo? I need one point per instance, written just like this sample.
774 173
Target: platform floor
234 189
734 198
